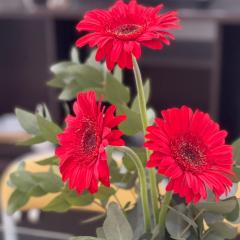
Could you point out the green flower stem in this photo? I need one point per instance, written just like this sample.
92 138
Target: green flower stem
143 184
143 113
163 212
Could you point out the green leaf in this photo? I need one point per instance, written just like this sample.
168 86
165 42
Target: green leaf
127 180
56 82
175 223
187 219
179 238
212 218
234 214
61 67
151 116
86 76
10 184
114 91
123 180
224 230
21 166
58 204
237 172
28 121
213 236
77 82
49 161
135 217
73 78
116 176
48 181
37 191
75 55
231 193
147 89
22 180
193 212
17 200
27 183
66 108
118 74
70 91
75 199
223 207
132 125
236 151
128 163
91 61
49 130
100 233
43 111
32 141
104 194
116 226
155 233
61 80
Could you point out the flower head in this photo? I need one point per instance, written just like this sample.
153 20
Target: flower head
189 148
120 31
83 159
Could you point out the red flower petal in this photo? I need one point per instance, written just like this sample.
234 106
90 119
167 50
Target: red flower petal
128 27
190 150
83 161
153 44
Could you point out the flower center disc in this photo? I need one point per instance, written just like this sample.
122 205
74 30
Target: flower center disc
189 152
127 31
89 138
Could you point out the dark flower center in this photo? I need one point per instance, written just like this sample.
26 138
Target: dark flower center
127 31
89 138
189 152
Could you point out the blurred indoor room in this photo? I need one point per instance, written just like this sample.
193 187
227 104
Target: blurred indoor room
201 69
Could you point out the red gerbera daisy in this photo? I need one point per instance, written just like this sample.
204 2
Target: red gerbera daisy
83 159
120 31
189 148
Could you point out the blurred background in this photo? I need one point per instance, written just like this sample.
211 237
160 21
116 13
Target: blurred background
201 69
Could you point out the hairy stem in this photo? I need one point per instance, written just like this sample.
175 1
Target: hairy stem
144 119
163 212
143 184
